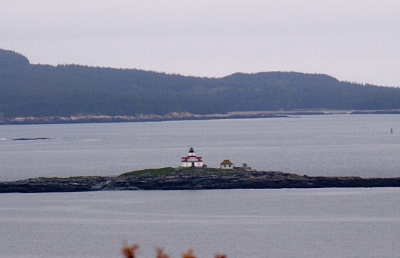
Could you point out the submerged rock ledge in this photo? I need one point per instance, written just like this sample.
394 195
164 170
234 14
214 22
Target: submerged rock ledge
193 180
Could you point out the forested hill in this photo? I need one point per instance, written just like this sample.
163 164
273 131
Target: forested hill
67 90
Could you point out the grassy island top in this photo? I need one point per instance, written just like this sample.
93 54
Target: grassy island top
170 171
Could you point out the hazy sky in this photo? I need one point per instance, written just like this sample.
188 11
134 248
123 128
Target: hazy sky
351 40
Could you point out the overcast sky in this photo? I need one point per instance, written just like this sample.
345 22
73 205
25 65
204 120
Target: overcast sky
351 40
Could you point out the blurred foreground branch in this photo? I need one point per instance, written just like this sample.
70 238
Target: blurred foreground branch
130 252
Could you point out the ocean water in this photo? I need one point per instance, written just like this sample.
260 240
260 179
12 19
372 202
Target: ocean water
340 145
282 223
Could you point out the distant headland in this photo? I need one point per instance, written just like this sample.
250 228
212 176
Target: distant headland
36 93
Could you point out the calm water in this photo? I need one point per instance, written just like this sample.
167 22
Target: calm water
356 145
284 223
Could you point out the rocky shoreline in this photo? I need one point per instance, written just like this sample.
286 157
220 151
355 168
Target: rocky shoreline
176 116
193 180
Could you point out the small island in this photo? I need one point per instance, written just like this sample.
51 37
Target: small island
193 174
169 178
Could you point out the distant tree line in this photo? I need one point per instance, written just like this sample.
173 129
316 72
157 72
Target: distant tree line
66 90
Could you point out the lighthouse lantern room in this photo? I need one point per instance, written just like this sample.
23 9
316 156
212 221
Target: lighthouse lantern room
191 160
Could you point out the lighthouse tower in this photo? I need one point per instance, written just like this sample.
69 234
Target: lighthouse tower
191 160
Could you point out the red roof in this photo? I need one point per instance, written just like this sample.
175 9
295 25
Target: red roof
226 162
185 159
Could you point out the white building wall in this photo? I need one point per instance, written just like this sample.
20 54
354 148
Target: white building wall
189 164
186 164
226 167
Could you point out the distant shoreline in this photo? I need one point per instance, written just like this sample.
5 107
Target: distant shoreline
176 116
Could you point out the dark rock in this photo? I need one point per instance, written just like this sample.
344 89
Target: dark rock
30 139
191 181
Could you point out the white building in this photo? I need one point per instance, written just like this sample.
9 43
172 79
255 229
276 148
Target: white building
226 164
191 160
